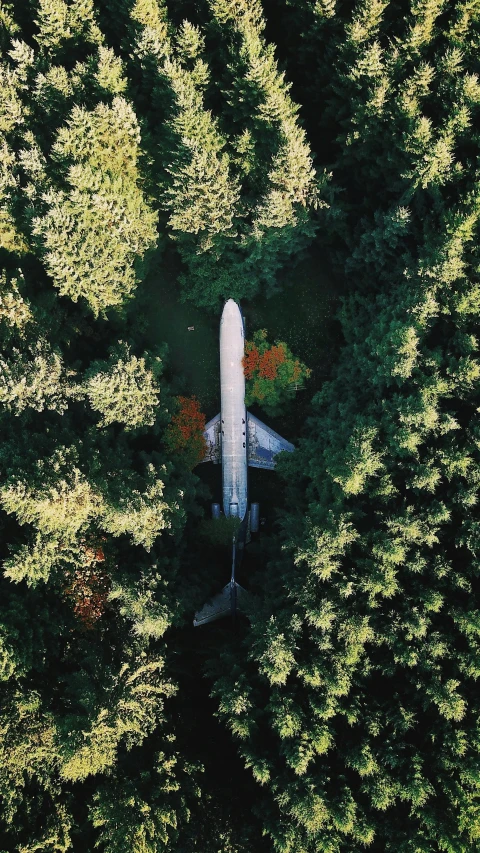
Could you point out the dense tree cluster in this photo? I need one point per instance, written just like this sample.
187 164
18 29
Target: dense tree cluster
349 698
235 171
354 698
93 497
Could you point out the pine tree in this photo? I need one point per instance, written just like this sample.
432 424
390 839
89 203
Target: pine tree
135 703
56 496
80 506
123 389
94 234
201 195
130 820
28 751
36 380
10 238
144 513
279 181
238 207
60 23
15 311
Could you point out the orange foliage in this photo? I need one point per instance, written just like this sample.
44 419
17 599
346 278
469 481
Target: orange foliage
271 360
89 586
251 359
266 362
94 555
297 371
271 372
185 431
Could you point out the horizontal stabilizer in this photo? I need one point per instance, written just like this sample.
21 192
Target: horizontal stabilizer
212 437
222 604
264 444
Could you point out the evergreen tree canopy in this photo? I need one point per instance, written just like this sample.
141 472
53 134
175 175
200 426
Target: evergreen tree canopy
123 389
353 695
92 234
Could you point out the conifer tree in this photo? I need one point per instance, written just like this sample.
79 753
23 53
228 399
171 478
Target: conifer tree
144 512
279 186
199 193
94 233
28 752
63 24
351 692
36 380
240 206
123 389
10 238
135 701
15 311
356 645
130 821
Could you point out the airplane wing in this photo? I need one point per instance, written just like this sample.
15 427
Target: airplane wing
264 444
212 437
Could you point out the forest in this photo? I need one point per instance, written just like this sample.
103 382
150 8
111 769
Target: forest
168 155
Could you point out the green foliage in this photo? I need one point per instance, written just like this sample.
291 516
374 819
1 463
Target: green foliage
238 208
32 374
79 504
59 501
15 312
123 389
35 380
272 373
219 532
35 562
7 657
274 157
10 237
143 513
150 618
358 718
27 750
201 196
142 821
133 710
129 823
351 695
60 23
63 505
94 233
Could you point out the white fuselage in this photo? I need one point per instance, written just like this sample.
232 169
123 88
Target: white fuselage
233 413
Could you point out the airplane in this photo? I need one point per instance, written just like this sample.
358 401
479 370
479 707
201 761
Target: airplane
237 439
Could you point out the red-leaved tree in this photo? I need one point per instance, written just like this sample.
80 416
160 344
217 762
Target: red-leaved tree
272 373
184 434
88 585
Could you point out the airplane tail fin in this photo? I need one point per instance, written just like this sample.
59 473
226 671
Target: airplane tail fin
223 604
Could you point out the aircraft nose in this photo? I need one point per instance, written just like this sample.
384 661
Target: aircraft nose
230 309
